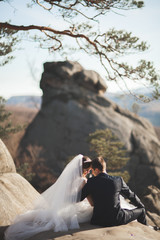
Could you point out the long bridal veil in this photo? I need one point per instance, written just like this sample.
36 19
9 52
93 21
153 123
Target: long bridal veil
57 209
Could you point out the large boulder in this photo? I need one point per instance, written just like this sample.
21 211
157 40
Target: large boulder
16 193
133 230
151 200
72 107
65 74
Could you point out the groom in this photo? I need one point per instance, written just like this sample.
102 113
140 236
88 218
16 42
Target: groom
105 190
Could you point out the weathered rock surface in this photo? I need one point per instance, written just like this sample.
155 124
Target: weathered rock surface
66 74
16 193
131 231
73 106
151 199
7 165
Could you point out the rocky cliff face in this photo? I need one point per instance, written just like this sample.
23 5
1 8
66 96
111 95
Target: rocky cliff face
73 106
16 194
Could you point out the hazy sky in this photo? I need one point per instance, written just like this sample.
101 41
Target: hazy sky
22 75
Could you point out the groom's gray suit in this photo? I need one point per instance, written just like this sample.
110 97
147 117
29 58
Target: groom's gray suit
105 192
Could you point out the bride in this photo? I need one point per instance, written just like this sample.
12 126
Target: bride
59 207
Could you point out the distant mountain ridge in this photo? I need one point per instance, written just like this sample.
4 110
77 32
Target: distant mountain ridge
29 101
150 110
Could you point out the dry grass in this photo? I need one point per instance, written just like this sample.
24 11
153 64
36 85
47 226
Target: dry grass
20 116
31 166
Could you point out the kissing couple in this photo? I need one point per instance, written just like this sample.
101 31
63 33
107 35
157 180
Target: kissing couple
73 199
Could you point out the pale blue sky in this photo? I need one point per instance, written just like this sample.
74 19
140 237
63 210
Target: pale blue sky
22 75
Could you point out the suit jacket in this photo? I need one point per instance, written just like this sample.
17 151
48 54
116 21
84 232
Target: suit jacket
105 191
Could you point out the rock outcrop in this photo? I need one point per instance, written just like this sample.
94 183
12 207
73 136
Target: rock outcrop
16 193
151 200
133 230
72 107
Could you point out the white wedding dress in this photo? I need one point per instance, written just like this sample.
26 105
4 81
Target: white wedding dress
58 208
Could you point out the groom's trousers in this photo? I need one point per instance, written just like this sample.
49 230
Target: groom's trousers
133 214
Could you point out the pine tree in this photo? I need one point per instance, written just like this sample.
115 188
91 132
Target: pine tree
8 40
105 143
6 126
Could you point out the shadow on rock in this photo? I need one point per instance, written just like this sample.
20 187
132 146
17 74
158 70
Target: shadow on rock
2 230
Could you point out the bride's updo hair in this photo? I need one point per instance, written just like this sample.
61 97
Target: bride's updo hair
86 162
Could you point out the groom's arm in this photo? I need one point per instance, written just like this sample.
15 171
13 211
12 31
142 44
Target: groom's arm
85 191
126 192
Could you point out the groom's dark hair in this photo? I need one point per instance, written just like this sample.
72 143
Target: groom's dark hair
99 163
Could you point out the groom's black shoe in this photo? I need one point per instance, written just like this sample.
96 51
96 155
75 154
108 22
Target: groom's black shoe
156 228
